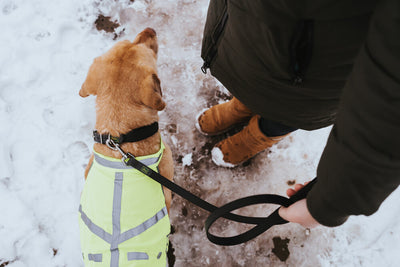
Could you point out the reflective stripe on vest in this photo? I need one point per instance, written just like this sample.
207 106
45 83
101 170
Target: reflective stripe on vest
137 256
95 257
122 176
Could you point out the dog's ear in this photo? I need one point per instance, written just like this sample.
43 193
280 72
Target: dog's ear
89 87
151 94
149 38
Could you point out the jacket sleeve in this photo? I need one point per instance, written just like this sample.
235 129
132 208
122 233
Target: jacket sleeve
360 165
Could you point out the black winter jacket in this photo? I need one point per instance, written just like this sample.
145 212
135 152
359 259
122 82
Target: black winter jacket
309 64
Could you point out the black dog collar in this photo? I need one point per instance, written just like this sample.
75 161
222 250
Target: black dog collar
135 135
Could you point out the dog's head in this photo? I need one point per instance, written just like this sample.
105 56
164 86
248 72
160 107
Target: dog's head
127 73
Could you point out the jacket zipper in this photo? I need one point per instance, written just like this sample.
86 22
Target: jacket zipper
211 51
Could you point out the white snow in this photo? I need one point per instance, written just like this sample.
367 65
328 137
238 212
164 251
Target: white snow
187 160
45 133
218 158
197 124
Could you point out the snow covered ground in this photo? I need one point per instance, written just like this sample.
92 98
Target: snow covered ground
46 50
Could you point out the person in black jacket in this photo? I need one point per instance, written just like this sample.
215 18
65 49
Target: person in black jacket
306 65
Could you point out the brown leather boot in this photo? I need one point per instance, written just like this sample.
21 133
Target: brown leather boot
222 117
243 145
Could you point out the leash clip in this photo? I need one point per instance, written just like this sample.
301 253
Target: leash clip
114 146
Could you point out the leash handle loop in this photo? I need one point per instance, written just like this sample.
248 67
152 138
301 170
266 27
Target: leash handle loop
267 223
271 220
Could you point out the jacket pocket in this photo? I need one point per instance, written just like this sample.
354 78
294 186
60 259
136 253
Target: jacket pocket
216 21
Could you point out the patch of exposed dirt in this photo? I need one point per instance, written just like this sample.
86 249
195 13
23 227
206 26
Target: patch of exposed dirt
281 248
291 182
171 128
212 93
104 23
5 263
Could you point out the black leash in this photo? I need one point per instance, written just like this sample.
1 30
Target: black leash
262 224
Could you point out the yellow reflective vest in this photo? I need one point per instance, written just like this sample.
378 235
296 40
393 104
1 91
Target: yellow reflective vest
123 218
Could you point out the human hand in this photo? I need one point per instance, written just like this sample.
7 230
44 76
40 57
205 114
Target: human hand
298 211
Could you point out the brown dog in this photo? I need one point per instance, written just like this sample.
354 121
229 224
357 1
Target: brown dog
129 96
